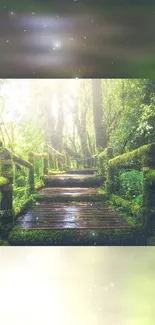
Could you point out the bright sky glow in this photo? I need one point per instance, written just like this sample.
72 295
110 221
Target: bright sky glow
17 98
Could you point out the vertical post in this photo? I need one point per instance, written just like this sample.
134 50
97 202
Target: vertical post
148 190
110 183
95 161
65 161
6 189
148 200
45 160
78 163
31 173
45 163
101 167
110 154
68 164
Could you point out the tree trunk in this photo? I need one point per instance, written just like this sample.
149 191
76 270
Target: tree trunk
100 130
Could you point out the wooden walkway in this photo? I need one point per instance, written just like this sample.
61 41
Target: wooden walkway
69 191
71 215
74 180
49 215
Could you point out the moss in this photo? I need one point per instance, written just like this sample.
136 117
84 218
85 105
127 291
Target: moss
150 176
6 222
7 172
3 181
148 198
45 163
144 156
103 154
22 161
76 237
3 243
130 209
102 191
55 172
39 185
68 198
27 204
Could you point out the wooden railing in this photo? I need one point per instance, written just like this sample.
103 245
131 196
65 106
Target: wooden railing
142 159
7 160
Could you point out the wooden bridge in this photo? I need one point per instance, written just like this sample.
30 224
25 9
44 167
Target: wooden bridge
72 200
72 207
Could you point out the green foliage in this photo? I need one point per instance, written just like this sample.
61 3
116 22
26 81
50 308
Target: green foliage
130 184
20 195
81 237
3 243
3 181
131 127
128 209
138 199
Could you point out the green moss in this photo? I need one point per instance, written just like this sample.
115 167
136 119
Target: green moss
3 243
68 198
39 185
129 208
148 198
22 162
150 176
55 172
3 181
103 154
27 204
102 191
144 156
76 237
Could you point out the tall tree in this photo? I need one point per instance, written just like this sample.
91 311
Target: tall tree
100 130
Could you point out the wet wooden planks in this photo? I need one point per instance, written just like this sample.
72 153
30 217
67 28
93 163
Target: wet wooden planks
86 171
74 180
49 215
68 191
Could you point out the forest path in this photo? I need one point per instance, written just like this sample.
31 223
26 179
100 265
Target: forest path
66 202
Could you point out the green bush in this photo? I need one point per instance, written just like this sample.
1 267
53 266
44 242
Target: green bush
130 185
77 237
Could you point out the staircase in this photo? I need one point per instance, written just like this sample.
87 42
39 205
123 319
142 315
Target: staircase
72 201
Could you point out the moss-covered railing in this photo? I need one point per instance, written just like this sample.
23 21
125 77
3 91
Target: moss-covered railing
7 160
142 159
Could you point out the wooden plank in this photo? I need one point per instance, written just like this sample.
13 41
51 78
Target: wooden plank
62 216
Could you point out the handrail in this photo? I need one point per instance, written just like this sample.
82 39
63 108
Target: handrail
21 161
7 158
143 159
